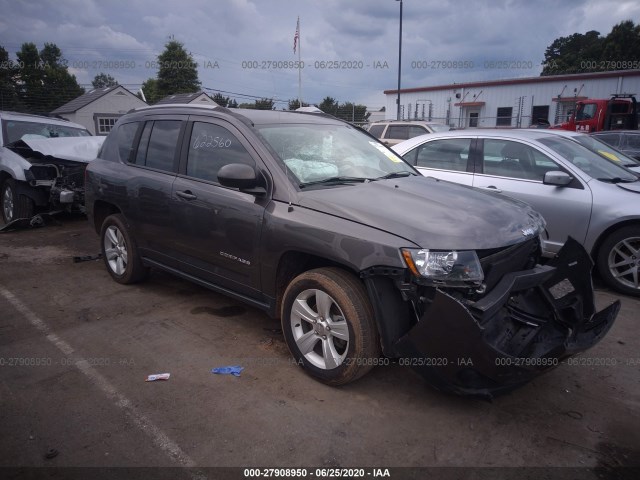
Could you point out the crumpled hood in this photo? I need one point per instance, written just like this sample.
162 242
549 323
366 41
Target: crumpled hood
77 149
430 213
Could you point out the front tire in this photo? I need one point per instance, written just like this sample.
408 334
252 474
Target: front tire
619 260
120 252
328 324
12 204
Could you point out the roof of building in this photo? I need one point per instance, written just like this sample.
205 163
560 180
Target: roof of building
517 81
182 98
84 100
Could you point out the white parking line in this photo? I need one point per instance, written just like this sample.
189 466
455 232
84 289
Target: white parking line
159 438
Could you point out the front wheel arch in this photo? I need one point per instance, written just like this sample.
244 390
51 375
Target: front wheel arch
618 259
329 326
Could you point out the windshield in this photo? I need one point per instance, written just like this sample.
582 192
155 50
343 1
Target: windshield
15 130
587 160
606 151
315 153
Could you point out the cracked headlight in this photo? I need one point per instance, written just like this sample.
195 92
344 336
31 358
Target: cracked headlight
453 268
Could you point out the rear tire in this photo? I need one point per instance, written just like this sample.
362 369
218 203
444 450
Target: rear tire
619 260
119 251
328 324
13 205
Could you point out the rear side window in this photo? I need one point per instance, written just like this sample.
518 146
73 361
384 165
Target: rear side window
210 148
158 144
415 130
376 130
400 132
125 137
612 139
450 154
633 141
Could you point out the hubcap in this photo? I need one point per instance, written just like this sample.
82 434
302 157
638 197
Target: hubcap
115 250
624 262
7 203
319 329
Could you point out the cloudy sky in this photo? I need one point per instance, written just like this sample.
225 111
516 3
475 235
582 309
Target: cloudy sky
237 41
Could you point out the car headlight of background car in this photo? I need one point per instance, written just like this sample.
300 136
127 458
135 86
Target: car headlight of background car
451 268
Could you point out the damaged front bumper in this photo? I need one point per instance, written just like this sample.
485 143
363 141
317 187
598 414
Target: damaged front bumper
529 322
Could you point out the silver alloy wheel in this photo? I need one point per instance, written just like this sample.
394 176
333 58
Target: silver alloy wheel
115 249
624 262
319 329
7 203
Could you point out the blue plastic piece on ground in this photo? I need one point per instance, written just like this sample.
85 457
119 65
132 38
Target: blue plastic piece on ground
234 370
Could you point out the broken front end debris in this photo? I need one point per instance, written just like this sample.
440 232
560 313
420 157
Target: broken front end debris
55 174
527 323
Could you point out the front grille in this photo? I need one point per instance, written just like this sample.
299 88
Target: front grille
498 262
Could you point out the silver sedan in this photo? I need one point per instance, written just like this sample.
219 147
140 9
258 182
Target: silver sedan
579 192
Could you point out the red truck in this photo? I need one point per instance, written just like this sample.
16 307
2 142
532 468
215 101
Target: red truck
620 112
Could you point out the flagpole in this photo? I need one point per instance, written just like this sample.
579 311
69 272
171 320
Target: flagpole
299 65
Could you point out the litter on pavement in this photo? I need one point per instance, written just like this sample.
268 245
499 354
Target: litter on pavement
234 370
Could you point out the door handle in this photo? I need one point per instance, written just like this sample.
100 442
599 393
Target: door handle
492 188
187 195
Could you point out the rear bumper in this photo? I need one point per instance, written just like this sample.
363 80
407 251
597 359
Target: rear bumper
526 325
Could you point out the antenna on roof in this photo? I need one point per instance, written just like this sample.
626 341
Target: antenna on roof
142 94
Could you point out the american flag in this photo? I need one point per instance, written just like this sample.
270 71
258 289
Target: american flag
296 37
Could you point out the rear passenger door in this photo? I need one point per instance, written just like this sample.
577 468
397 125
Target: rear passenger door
217 228
153 168
517 170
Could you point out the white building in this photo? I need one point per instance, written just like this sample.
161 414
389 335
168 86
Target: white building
516 102
200 98
99 109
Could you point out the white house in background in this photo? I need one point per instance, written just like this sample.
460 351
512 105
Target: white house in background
99 109
516 102
197 98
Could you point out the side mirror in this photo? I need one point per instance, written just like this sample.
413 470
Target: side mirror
557 178
240 176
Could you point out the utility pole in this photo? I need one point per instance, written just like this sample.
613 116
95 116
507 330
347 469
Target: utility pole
399 61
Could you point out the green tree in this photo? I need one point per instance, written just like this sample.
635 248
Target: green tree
150 90
329 105
569 54
178 72
622 44
8 70
43 82
295 104
232 104
348 111
352 113
103 80
221 99
590 52
264 104
247 105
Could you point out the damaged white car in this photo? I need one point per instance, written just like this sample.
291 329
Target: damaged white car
42 163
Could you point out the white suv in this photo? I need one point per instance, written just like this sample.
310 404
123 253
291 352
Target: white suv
40 166
391 132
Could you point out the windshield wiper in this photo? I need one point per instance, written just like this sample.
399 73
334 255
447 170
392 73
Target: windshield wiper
618 180
396 175
341 180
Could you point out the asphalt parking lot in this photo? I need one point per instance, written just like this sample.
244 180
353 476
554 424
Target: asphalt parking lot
76 348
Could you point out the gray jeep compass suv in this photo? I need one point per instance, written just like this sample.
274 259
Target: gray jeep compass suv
363 259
